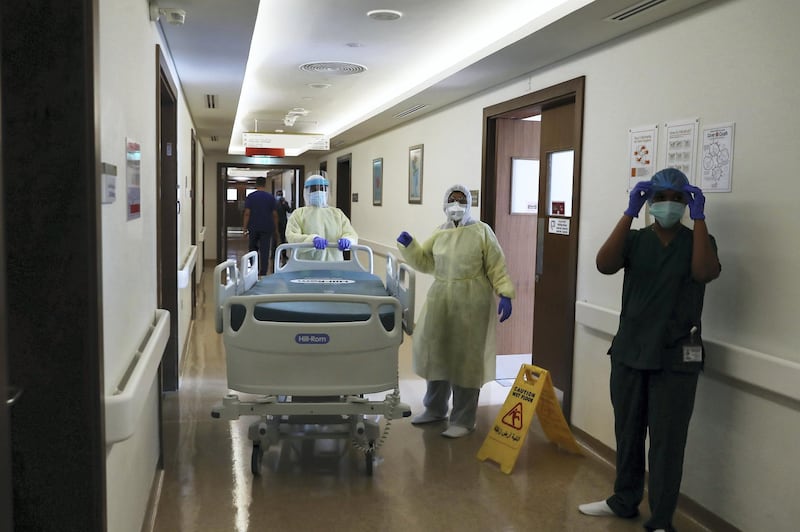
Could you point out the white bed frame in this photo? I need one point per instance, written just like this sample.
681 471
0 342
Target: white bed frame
311 373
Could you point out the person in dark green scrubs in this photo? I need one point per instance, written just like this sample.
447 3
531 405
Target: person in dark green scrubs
657 353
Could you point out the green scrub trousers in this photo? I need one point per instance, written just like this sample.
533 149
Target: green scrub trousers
666 399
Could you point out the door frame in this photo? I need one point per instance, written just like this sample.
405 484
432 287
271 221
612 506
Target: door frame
550 97
54 354
222 185
167 206
6 500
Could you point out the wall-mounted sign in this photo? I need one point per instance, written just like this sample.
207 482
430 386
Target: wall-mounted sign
558 226
133 166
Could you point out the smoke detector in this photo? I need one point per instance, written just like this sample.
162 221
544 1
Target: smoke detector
173 15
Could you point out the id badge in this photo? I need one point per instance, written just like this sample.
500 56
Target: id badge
693 350
692 353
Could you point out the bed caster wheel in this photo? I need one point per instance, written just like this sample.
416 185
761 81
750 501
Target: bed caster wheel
255 459
369 456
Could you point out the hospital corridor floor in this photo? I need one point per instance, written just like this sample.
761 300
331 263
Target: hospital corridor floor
421 481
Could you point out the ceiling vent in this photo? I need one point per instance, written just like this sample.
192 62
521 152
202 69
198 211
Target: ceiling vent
333 67
634 10
211 101
403 114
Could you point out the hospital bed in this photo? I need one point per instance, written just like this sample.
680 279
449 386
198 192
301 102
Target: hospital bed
309 343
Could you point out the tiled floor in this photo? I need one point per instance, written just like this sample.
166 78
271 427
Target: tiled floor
421 481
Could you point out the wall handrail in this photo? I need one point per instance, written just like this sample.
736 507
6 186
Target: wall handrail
768 372
185 273
124 404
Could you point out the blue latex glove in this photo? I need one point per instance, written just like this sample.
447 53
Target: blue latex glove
404 238
638 198
504 308
320 243
344 244
696 202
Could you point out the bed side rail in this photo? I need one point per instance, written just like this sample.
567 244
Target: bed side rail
248 271
401 283
226 285
406 290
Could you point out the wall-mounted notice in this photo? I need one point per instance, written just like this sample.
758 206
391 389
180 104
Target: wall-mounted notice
108 185
717 158
133 166
642 146
558 226
682 145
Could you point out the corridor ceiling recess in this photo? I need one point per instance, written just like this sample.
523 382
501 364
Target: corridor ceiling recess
318 75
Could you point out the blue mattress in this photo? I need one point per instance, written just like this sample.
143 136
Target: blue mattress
316 282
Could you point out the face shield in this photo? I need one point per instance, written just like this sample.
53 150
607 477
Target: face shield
315 191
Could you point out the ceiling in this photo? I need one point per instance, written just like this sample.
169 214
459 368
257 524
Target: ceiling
369 75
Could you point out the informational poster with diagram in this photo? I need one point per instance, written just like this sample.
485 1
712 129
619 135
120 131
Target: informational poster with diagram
717 158
642 153
133 165
682 146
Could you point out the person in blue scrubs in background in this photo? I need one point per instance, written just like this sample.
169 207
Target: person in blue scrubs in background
260 223
657 353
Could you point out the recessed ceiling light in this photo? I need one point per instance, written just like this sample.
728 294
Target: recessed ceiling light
384 14
354 45
319 85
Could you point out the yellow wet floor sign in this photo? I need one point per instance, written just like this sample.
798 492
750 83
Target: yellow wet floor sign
532 393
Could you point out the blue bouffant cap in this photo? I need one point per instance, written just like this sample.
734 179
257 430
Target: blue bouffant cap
667 179
316 180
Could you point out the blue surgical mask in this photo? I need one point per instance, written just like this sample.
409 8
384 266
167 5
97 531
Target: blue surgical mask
317 199
667 213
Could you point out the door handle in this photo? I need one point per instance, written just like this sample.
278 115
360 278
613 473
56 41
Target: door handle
13 394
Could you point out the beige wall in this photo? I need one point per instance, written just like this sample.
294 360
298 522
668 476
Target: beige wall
127 84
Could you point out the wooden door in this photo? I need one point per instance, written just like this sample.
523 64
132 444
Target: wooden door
516 139
557 247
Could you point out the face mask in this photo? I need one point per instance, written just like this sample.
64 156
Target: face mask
667 213
317 199
455 211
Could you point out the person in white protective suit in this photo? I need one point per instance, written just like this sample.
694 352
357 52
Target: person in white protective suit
319 223
454 341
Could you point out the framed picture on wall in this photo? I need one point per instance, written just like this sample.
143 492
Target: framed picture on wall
415 159
377 181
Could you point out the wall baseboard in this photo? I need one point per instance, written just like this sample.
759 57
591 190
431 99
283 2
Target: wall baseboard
149 523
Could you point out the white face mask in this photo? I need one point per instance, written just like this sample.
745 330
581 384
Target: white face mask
455 211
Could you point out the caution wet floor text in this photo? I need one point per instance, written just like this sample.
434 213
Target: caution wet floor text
532 393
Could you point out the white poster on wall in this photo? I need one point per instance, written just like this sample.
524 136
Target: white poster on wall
682 146
717 158
642 146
